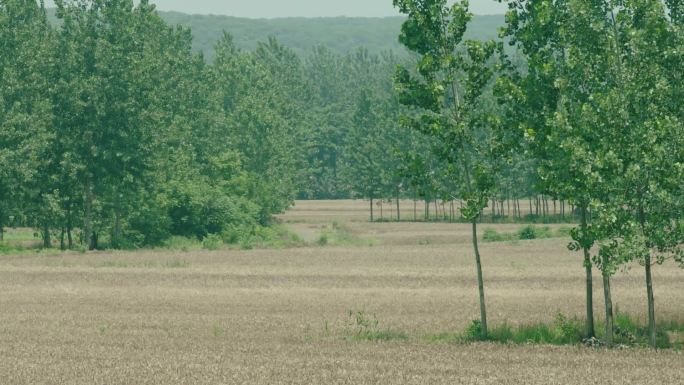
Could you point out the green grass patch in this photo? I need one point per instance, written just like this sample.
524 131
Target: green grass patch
569 331
21 234
491 235
528 232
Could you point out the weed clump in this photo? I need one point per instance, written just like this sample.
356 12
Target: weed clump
212 242
365 327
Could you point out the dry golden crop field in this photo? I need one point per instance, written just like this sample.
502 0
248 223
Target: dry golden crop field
280 316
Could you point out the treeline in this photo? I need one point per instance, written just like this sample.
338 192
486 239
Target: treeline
595 110
116 134
341 35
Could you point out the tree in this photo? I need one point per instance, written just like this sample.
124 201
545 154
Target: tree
640 119
444 93
25 111
595 106
566 63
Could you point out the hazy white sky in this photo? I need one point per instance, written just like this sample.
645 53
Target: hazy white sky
303 8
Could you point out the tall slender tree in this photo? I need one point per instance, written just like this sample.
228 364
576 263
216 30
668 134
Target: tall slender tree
445 92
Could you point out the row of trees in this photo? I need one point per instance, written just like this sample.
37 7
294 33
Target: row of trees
597 107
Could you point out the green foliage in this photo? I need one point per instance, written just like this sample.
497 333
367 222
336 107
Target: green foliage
212 242
562 332
474 331
528 232
491 235
182 243
443 93
534 232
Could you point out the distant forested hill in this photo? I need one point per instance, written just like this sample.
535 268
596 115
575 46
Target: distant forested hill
339 34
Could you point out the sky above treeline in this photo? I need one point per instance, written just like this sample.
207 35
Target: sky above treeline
301 8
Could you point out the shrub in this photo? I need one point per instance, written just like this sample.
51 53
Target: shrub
474 331
182 243
534 232
212 242
491 235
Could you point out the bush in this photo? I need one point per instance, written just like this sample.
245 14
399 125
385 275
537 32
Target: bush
182 243
474 331
534 232
491 235
322 240
212 242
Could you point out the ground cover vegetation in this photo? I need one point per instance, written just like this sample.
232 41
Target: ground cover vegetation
116 133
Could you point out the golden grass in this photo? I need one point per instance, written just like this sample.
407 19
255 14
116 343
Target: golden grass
275 316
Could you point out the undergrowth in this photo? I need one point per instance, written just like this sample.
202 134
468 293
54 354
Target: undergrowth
569 331
528 232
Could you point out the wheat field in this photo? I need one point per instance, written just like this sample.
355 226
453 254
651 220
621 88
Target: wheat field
279 316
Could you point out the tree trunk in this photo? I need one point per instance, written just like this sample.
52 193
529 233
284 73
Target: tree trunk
480 282
70 239
398 208
508 202
562 210
62 244
88 218
531 211
415 210
609 308
371 209
47 242
116 238
651 304
591 331
2 232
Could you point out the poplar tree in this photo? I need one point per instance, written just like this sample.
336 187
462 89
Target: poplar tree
444 93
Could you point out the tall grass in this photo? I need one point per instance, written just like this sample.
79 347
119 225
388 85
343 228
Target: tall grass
570 331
